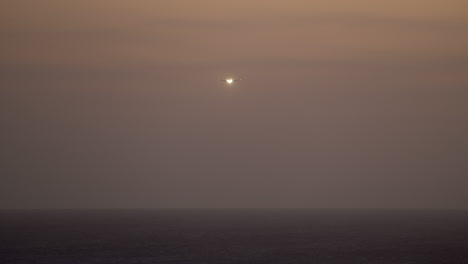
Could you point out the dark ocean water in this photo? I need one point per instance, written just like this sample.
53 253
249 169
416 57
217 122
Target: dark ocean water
234 236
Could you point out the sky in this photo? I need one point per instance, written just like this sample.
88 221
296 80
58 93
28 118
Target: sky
342 104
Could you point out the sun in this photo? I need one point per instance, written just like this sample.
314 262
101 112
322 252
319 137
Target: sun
229 81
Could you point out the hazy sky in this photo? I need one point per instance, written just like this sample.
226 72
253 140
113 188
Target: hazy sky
118 103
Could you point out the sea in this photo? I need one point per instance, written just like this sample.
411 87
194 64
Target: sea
267 236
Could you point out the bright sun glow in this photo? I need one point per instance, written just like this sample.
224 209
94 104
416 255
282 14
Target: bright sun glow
229 80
